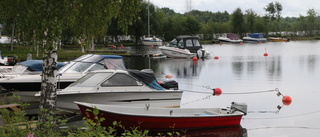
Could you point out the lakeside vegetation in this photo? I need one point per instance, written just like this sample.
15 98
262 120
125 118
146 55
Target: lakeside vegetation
80 25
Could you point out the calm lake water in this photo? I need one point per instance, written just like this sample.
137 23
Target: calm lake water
293 68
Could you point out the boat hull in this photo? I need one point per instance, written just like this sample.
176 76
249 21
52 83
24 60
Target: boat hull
30 86
128 98
176 52
163 122
227 40
254 40
279 39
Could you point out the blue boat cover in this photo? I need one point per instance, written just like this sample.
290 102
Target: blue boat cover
36 65
256 35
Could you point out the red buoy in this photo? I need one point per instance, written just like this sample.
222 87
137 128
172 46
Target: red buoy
220 44
286 100
159 82
217 92
216 57
122 47
151 46
114 47
265 54
195 59
241 43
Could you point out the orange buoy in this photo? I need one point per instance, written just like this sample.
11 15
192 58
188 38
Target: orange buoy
265 54
169 76
217 92
216 57
286 100
195 59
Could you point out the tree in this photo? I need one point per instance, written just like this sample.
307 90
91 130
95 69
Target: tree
237 21
274 12
42 22
312 20
250 20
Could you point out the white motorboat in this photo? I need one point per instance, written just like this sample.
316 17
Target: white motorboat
184 47
230 38
255 38
151 40
120 87
67 74
29 67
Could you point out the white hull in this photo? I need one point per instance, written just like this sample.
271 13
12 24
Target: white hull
254 40
227 40
148 41
176 52
128 98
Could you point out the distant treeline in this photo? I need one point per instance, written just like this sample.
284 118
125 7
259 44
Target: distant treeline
167 24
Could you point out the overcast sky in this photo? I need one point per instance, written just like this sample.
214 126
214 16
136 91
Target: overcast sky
291 8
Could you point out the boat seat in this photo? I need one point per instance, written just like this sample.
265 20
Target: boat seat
211 112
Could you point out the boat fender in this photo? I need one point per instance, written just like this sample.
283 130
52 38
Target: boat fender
171 111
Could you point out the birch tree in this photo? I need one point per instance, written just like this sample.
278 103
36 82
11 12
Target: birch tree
42 22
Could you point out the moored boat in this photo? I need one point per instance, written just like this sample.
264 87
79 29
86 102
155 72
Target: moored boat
184 47
278 39
154 118
68 74
230 38
151 40
255 38
121 87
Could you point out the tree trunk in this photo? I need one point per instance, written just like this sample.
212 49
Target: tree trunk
12 34
48 88
92 43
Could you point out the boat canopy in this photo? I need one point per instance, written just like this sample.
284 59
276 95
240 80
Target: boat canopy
192 43
233 36
91 62
256 35
147 77
36 65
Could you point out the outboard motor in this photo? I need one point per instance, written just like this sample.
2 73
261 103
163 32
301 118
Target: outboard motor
170 84
201 53
242 107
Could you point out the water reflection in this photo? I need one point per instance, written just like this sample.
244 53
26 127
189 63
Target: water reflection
181 68
292 67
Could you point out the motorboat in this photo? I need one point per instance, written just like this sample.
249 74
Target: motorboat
184 47
7 61
230 38
151 40
155 118
255 38
278 39
68 74
29 67
121 87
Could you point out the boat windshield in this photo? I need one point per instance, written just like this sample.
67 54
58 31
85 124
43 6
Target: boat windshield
78 67
90 80
121 79
173 43
18 69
